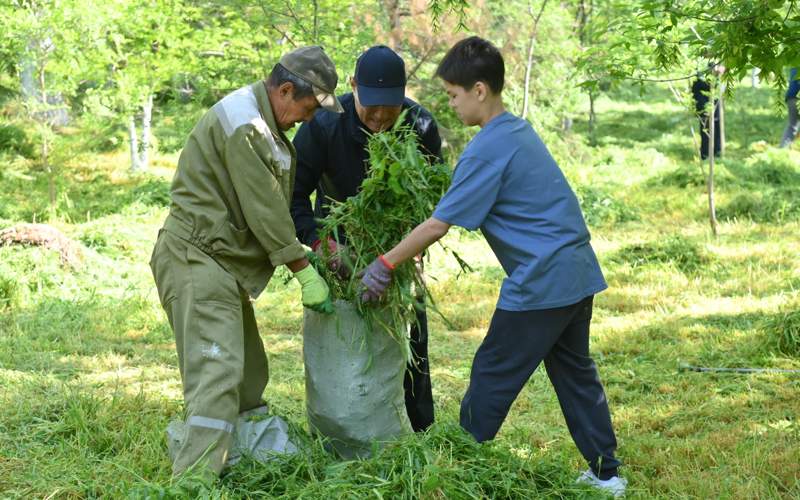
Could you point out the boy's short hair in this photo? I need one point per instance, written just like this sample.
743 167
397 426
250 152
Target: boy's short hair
473 60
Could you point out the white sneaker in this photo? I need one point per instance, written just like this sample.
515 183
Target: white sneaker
615 485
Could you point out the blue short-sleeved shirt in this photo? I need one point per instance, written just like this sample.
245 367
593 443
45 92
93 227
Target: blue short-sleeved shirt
507 184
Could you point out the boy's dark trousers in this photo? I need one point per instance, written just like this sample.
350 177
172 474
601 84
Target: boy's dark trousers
517 342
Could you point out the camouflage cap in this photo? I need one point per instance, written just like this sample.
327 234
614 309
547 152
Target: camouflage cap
314 66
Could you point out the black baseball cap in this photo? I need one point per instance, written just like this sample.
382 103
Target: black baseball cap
380 77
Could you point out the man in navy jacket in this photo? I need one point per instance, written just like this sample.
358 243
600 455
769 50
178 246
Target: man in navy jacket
332 160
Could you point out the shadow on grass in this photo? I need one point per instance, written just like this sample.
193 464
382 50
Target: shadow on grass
750 117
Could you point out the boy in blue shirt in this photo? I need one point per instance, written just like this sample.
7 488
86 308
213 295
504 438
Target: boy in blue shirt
507 185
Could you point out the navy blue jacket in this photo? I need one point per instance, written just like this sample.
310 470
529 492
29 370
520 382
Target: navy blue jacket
332 159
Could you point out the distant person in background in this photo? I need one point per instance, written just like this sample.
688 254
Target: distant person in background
791 104
701 90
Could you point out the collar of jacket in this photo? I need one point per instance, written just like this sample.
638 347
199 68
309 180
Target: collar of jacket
262 98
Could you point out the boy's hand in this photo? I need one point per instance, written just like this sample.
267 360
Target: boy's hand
316 295
376 279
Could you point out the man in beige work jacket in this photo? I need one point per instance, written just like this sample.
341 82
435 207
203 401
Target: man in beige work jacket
228 228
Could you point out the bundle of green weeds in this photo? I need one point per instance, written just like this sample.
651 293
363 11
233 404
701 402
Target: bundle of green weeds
401 189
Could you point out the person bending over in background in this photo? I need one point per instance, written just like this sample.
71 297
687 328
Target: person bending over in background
507 184
227 230
332 159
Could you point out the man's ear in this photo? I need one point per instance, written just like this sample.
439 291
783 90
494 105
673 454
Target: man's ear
286 89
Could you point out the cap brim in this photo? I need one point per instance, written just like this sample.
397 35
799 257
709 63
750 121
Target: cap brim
328 101
379 96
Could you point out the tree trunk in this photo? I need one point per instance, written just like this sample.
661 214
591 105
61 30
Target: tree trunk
48 168
529 66
134 144
712 212
316 22
147 116
592 116
754 77
51 174
27 77
395 35
582 15
721 120
526 97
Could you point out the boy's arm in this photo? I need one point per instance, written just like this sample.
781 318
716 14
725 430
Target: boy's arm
378 275
467 203
423 236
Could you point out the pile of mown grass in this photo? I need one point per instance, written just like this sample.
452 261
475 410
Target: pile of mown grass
444 462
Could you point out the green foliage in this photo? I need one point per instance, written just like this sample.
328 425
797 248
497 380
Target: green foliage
553 99
643 38
400 191
601 206
87 363
14 140
440 8
152 191
768 188
10 289
101 132
173 124
686 255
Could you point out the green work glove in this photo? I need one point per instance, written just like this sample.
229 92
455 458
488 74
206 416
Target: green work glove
316 295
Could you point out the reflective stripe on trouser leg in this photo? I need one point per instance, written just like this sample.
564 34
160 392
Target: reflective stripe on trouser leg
210 423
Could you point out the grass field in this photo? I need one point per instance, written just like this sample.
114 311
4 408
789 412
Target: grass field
88 377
